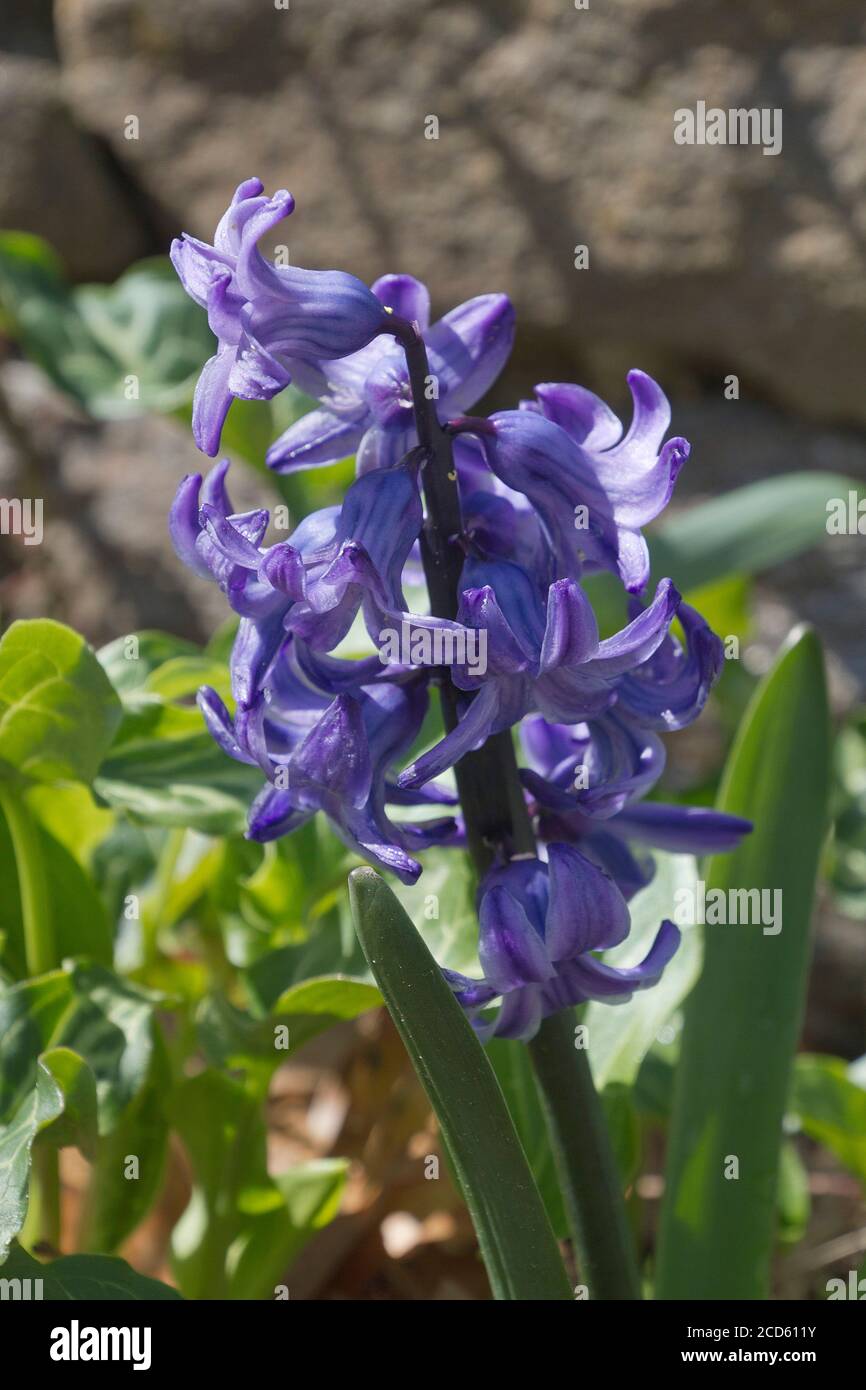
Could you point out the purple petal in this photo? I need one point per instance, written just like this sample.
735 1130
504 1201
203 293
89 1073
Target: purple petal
212 400
671 689
498 704
643 635
468 348
335 754
382 448
230 540
184 526
480 610
582 414
220 726
318 438
214 492
510 950
405 296
197 265
255 647
681 829
571 633
519 1017
587 912
273 815
589 978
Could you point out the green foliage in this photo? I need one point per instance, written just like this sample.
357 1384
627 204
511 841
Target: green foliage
241 1229
747 530
58 710
513 1231
118 350
143 939
718 1223
93 1278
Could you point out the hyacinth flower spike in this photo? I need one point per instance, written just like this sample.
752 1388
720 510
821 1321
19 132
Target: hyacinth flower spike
504 516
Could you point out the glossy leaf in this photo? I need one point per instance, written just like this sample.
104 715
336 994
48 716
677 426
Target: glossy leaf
516 1240
58 711
93 1278
42 1104
748 530
743 1018
619 1038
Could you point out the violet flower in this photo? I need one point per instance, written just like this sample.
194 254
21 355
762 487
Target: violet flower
263 315
365 401
548 493
592 488
587 782
326 733
539 924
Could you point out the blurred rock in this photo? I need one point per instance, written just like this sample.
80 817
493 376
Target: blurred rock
555 130
54 178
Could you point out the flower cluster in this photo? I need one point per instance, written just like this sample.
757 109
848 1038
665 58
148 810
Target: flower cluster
549 493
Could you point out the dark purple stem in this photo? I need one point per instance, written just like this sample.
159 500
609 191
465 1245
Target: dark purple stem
491 796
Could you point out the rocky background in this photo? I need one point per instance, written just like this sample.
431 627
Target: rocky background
126 121
123 122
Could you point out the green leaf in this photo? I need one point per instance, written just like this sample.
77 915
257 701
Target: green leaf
129 661
847 860
118 350
58 711
80 925
179 782
234 1040
510 1061
794 1201
241 1228
29 1016
516 1240
742 1019
78 1123
831 1109
93 1278
619 1038
110 1023
318 1004
107 1021
748 530
442 907
116 1203
623 1124
271 1239
38 1108
220 1125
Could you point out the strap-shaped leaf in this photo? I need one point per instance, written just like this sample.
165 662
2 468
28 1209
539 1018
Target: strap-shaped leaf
514 1234
743 1018
749 529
